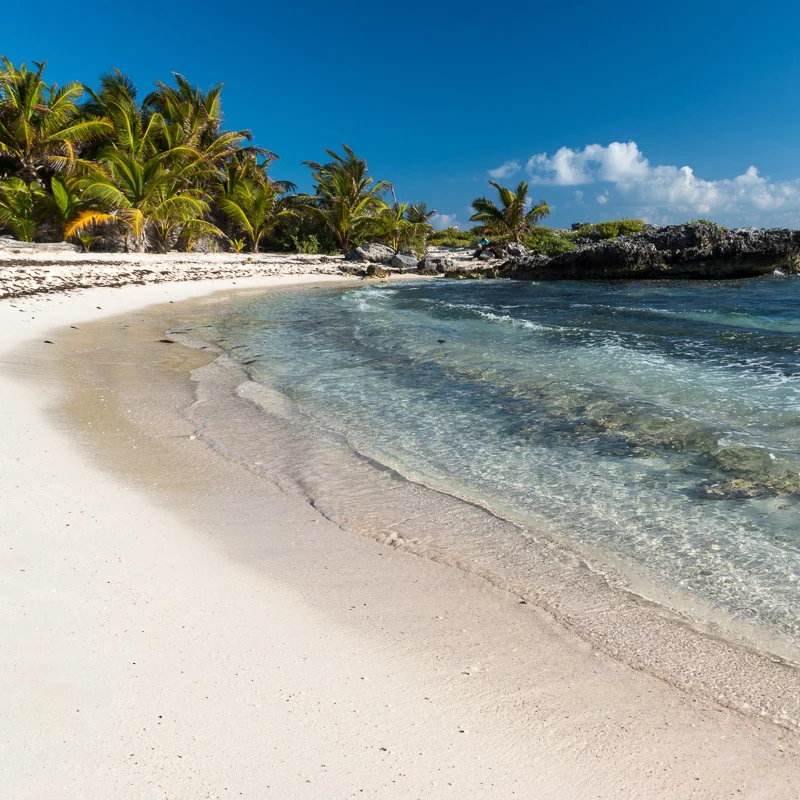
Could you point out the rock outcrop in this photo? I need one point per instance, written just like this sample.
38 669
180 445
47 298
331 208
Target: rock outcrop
435 265
677 251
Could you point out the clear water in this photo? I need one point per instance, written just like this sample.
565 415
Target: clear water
654 425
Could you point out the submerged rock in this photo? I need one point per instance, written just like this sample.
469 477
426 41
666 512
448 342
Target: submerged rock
703 251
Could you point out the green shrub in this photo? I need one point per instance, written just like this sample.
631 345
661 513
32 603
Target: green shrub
452 237
308 246
611 229
549 242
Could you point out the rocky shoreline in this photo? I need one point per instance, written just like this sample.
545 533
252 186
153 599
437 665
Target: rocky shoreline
692 251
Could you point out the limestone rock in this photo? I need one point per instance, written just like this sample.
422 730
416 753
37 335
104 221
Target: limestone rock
404 263
703 251
374 253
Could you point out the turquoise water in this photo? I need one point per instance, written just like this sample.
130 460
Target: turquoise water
653 425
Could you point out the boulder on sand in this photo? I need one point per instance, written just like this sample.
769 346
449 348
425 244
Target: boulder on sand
373 253
435 265
404 263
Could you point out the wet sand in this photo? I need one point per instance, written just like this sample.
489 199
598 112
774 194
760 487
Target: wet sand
177 626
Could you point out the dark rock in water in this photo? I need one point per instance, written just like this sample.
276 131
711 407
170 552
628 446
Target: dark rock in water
373 253
404 263
435 265
374 271
676 251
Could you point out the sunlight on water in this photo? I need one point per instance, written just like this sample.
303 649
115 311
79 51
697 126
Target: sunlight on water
657 423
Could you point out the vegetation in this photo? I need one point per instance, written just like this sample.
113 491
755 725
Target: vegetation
107 167
512 218
611 229
453 237
549 242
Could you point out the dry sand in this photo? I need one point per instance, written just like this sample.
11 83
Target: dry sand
183 629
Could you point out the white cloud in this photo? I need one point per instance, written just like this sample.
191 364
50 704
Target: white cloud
441 221
578 195
661 187
506 170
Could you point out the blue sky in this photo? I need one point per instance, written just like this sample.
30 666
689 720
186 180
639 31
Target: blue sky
439 94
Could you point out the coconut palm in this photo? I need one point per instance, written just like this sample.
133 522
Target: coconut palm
142 182
254 208
511 219
418 214
391 225
193 118
346 197
42 128
67 201
142 194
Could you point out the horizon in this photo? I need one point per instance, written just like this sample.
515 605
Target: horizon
670 131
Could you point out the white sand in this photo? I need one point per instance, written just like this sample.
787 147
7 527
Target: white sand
141 659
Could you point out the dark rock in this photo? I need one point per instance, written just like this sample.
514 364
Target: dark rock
375 271
676 251
435 265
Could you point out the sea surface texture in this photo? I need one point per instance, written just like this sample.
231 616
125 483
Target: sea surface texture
650 427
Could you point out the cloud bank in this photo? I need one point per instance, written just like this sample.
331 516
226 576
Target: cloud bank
660 188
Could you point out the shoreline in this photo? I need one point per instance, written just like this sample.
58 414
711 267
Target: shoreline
648 626
488 697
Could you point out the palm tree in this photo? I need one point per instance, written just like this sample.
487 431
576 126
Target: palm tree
390 224
193 119
143 181
66 202
418 214
510 219
254 208
42 128
20 207
346 197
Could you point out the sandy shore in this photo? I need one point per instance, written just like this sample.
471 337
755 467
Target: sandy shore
176 627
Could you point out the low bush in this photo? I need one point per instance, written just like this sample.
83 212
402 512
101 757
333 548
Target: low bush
549 242
611 229
452 237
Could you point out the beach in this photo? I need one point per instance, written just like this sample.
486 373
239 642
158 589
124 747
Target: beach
177 626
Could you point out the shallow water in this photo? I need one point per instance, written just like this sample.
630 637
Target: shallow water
654 426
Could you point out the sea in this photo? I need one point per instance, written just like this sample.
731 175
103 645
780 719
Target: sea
551 437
